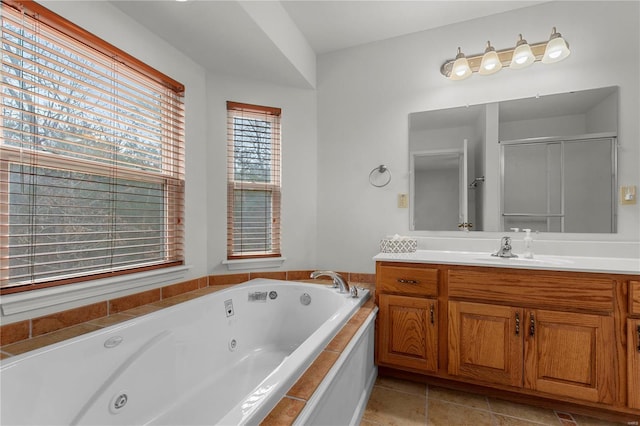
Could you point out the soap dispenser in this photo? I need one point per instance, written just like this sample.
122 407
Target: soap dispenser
528 245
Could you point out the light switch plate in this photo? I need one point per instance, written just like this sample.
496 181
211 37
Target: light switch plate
628 195
403 201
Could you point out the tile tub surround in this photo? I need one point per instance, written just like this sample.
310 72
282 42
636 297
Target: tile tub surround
23 336
290 406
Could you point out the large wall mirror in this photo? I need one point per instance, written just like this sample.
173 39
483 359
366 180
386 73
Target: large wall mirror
547 163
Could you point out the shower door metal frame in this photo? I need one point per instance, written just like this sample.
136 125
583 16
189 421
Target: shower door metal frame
613 142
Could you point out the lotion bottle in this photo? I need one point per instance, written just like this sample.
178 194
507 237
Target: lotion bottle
528 245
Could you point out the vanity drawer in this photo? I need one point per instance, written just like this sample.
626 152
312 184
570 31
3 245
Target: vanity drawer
407 280
634 298
562 291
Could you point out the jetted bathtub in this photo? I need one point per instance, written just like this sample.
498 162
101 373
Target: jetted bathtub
225 358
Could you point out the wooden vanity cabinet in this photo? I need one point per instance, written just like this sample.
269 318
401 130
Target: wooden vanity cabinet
570 354
408 317
633 345
485 342
633 362
553 335
409 332
562 350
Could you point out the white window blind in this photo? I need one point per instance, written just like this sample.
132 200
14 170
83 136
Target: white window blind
91 156
253 176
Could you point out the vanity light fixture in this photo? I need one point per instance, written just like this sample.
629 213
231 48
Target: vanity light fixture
490 62
520 56
460 69
557 48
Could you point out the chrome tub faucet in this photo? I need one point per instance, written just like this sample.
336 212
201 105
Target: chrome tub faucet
338 282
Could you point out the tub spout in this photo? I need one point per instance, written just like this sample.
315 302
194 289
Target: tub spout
338 281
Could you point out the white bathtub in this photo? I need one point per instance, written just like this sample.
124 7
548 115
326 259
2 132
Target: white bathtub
225 358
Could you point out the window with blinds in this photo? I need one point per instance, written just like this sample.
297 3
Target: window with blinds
253 181
91 156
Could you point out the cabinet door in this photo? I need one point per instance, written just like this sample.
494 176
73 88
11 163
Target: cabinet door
633 359
408 332
570 354
485 342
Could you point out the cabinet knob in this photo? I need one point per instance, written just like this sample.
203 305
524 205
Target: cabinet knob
433 316
517 323
638 332
404 281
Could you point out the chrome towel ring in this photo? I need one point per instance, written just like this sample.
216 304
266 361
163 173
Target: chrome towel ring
380 176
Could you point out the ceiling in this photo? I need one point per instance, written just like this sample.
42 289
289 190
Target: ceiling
334 25
241 37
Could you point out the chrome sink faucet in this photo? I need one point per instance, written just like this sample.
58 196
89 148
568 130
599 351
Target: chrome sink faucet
505 248
338 282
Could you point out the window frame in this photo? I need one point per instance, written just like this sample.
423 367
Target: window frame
173 159
274 185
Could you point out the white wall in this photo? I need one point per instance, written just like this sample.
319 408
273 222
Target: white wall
299 170
366 93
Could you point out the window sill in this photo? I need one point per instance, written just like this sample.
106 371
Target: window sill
242 264
31 304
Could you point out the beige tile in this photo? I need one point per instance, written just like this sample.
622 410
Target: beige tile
564 416
362 278
49 339
343 337
14 332
133 301
365 310
298 275
311 378
175 300
176 289
389 407
274 275
364 422
590 421
228 279
284 413
141 310
68 318
457 397
441 413
513 421
110 320
525 412
402 385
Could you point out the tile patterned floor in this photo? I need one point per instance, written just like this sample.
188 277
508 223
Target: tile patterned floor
402 403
